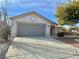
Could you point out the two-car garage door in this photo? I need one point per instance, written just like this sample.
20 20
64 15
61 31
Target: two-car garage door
31 29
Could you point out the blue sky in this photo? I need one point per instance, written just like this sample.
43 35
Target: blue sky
46 8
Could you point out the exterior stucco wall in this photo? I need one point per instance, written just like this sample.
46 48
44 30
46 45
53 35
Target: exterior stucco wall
31 18
47 30
28 19
53 31
14 28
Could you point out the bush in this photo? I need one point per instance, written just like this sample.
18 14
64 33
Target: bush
60 34
5 33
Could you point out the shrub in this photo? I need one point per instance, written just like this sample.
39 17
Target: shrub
60 34
5 33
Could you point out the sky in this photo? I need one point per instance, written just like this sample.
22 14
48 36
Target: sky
46 8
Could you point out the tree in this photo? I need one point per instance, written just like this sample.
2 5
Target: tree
0 15
68 13
4 18
4 12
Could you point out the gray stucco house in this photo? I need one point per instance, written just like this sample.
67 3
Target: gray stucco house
31 24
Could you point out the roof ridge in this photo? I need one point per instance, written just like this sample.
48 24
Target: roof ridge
35 13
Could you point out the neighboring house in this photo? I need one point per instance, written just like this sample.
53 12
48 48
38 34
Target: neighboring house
74 30
31 24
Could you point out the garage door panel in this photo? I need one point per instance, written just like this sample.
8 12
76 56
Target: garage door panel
31 29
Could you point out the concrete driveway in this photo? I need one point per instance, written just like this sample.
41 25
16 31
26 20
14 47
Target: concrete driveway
40 48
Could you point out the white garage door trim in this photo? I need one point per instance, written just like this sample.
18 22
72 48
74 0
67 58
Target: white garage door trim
29 29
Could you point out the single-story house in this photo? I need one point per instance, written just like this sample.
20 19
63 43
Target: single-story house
74 30
31 24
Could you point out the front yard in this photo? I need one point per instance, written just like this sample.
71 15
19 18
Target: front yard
41 48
